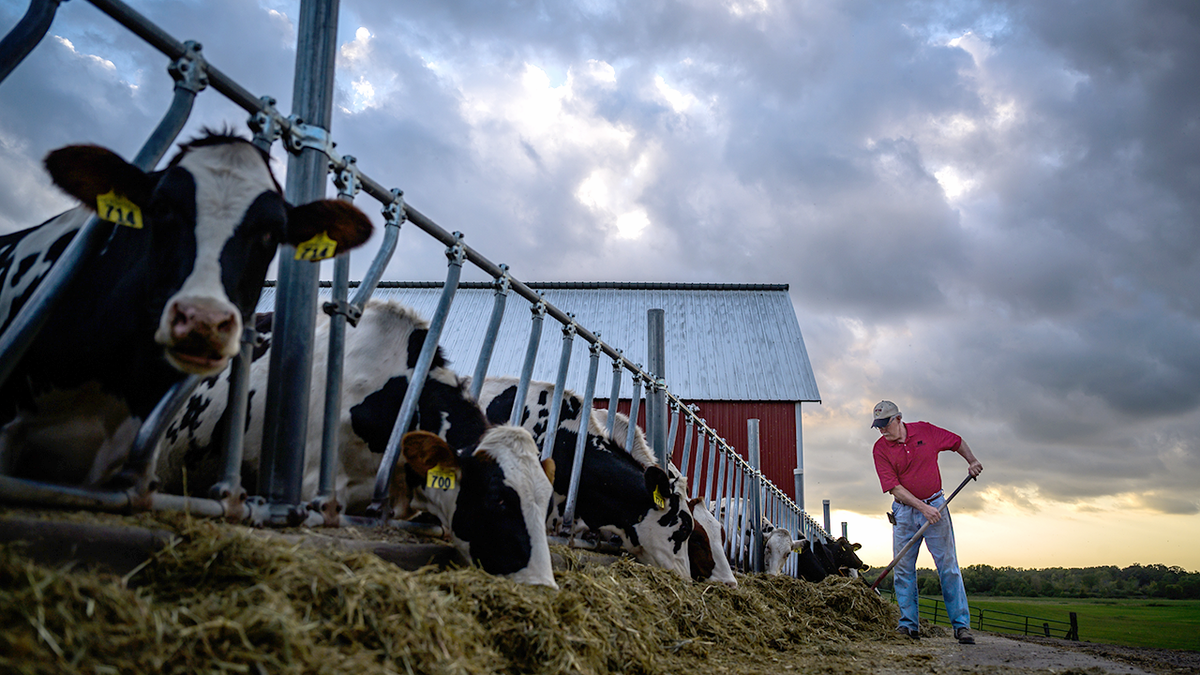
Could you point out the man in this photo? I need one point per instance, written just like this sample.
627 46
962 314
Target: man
906 459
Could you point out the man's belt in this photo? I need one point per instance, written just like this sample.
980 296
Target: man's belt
935 496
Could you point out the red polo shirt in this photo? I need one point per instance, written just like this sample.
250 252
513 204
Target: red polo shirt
913 463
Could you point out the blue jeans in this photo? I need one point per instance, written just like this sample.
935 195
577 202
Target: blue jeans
939 539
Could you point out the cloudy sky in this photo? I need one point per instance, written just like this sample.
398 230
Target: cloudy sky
988 212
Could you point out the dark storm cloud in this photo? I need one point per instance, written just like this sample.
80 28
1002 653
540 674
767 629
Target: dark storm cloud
987 210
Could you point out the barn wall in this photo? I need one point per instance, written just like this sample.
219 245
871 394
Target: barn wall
776 432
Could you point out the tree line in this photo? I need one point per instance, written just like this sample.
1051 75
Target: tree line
1135 581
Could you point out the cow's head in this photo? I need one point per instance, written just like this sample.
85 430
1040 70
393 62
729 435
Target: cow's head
845 557
492 498
664 531
212 221
706 547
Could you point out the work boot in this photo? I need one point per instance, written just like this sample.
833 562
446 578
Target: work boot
964 636
904 631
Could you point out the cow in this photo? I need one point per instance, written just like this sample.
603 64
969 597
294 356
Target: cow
777 541
165 297
642 506
818 560
706 545
839 557
493 508
777 546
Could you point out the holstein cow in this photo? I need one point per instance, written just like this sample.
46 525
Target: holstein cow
165 297
777 541
777 546
491 494
839 557
642 506
836 558
706 546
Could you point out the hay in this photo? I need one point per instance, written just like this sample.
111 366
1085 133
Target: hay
223 600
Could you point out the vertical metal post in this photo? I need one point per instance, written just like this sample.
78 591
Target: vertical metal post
230 485
756 541
825 508
455 254
635 402
687 451
285 422
712 458
338 309
742 522
560 386
531 350
614 396
656 400
726 494
672 429
846 530
581 441
699 470
502 284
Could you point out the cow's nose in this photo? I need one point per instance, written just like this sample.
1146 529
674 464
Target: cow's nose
214 322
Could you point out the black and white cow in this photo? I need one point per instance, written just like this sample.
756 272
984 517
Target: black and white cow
165 297
706 545
839 557
493 507
820 559
642 506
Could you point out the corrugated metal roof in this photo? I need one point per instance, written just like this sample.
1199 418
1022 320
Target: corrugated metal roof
723 341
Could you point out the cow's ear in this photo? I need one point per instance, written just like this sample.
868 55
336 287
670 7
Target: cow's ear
89 171
340 221
658 484
548 468
856 546
424 450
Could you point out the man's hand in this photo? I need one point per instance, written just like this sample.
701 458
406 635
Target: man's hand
974 468
931 513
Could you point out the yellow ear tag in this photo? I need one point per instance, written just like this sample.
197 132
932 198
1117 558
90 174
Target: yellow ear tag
658 499
320 247
117 209
440 478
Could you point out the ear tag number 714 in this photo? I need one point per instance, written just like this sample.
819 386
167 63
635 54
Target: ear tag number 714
318 248
117 209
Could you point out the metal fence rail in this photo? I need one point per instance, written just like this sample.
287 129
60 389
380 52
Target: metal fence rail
1000 621
738 478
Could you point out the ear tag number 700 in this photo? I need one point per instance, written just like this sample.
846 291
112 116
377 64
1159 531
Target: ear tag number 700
440 478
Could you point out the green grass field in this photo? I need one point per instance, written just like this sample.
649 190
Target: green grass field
1170 624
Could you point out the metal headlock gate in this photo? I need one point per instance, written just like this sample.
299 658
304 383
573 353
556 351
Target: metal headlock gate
306 137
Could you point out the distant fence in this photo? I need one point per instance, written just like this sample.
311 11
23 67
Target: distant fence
1000 621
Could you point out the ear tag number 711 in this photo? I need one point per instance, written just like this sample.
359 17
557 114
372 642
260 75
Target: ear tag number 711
440 478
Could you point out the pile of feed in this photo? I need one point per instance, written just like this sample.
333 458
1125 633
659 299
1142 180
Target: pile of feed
222 600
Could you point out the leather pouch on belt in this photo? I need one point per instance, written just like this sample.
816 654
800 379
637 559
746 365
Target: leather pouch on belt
891 517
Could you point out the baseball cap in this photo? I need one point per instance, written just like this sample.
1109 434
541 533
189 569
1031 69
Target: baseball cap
884 412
